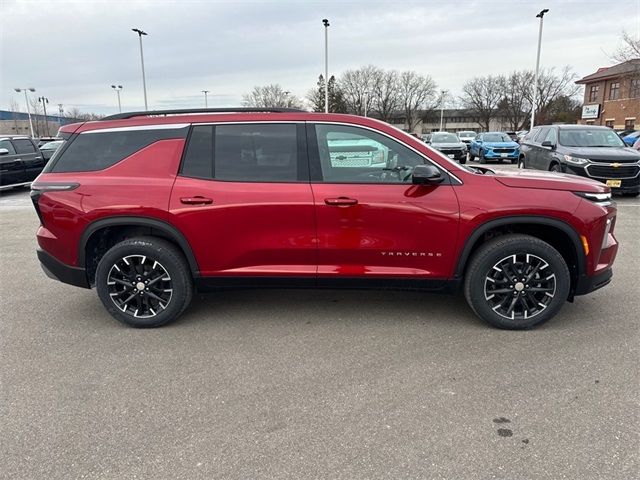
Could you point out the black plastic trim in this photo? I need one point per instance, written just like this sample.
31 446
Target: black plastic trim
587 284
172 232
516 220
216 283
62 272
157 113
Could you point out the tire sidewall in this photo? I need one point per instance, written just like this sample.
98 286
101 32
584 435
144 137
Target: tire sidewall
168 257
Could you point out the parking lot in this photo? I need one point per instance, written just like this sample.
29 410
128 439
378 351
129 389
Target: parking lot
314 384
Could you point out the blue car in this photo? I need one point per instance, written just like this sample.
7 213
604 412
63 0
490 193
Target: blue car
494 146
631 138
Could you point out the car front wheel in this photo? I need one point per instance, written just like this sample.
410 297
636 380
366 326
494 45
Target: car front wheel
516 282
144 282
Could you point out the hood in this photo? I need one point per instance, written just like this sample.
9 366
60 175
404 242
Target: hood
603 154
549 181
447 145
500 144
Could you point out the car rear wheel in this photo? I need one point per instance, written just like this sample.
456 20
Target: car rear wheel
144 282
521 164
516 282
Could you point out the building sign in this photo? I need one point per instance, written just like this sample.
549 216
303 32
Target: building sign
590 111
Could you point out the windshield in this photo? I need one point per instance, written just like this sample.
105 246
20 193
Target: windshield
466 134
444 138
589 137
496 137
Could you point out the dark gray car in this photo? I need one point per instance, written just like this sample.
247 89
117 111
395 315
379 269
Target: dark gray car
450 145
586 150
20 161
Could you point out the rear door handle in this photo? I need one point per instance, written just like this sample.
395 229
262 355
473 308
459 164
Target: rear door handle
197 200
340 201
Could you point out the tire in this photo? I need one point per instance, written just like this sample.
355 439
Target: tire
514 161
555 168
471 157
481 158
463 159
131 265
538 299
521 164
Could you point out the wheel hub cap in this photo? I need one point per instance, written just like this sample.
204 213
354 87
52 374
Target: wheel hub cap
140 286
519 287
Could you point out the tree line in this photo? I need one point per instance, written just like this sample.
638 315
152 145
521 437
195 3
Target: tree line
413 97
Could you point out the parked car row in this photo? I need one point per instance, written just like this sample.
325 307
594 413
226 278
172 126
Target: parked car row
21 160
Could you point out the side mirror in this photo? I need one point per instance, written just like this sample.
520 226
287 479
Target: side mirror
4 151
426 175
548 144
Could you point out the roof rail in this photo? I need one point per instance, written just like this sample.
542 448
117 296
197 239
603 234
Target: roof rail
121 116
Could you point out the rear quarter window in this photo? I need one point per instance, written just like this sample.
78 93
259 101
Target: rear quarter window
98 149
23 145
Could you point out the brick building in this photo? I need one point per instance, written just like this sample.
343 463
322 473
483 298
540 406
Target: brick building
612 96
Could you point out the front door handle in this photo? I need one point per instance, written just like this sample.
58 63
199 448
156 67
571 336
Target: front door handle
340 201
197 200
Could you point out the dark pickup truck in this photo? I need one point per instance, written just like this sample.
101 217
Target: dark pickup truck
20 161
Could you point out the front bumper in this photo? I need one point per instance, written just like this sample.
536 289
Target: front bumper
587 284
57 270
490 154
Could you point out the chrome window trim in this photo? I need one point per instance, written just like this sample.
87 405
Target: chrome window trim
438 166
133 128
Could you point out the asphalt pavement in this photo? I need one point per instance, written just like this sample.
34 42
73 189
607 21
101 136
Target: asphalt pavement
313 384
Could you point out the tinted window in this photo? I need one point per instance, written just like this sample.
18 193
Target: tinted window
198 157
541 135
355 155
256 153
552 136
496 137
23 145
590 137
7 144
98 149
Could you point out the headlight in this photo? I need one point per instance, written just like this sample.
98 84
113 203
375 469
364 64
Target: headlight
575 160
602 199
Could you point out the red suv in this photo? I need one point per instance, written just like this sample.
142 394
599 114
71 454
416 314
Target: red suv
150 206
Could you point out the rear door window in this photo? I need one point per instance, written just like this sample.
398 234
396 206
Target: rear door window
257 153
539 138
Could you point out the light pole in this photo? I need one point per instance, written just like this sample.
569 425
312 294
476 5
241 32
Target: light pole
117 89
26 100
60 112
44 101
206 102
287 102
366 101
535 81
442 95
326 64
144 81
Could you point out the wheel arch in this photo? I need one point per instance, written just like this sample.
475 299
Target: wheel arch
541 227
130 225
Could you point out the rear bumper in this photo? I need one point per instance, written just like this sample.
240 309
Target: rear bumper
57 270
587 284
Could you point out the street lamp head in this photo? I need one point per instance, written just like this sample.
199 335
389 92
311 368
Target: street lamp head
325 22
18 90
139 32
542 12
113 86
31 89
120 87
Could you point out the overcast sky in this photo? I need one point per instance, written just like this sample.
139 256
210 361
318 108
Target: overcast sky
72 51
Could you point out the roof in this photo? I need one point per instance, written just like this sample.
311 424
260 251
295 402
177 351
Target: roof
618 70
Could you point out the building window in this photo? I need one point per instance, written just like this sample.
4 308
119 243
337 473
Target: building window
609 123
629 123
593 93
614 91
634 92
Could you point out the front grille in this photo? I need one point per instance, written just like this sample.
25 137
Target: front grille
608 171
503 150
451 151
350 159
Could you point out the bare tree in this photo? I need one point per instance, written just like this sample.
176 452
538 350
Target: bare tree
385 95
483 96
76 114
14 108
629 50
357 86
552 85
515 106
417 93
36 112
271 96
